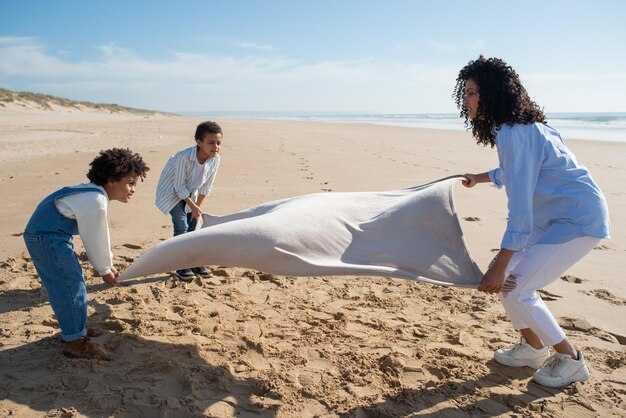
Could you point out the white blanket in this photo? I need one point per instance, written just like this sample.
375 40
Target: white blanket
411 233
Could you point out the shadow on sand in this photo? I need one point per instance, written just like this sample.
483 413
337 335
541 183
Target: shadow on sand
149 378
145 378
16 299
458 399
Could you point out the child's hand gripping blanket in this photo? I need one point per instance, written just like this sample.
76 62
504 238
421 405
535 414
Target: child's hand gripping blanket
411 233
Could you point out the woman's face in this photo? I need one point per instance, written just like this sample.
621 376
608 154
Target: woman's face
471 98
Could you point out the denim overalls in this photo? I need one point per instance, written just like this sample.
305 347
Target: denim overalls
48 236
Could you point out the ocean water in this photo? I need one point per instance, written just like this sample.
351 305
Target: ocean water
592 126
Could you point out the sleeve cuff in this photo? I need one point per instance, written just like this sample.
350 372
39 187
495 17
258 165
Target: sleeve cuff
495 177
514 241
182 195
104 271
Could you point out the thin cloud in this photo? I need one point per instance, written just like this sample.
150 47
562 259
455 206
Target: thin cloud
17 40
119 75
236 43
21 56
253 81
112 50
256 46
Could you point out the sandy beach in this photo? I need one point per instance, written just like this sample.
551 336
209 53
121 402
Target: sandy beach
246 343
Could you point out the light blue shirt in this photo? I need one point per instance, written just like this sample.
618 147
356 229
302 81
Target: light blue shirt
546 188
177 178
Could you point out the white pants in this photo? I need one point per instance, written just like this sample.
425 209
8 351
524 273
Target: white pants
532 268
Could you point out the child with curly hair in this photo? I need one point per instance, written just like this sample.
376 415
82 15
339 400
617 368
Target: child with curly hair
556 214
80 210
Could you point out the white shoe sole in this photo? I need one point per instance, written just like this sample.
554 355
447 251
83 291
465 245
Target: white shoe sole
579 376
513 362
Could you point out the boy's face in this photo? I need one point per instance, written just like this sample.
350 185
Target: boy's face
210 145
123 189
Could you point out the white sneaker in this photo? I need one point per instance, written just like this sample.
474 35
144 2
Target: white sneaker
561 370
522 354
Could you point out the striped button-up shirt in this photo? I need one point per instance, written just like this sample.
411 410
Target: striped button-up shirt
177 176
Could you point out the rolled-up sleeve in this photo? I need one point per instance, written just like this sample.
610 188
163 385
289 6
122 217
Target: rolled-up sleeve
518 171
495 176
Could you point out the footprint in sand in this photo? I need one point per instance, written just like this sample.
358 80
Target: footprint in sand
571 279
132 246
309 379
576 324
125 258
545 295
472 219
580 324
615 360
50 322
602 247
115 301
607 296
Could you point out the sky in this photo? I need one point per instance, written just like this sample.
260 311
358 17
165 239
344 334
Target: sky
388 56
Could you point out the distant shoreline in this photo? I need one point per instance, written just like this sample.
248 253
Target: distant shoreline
610 126
593 126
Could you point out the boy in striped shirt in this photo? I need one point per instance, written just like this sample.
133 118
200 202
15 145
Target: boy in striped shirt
185 181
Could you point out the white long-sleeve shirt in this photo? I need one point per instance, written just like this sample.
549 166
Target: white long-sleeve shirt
90 211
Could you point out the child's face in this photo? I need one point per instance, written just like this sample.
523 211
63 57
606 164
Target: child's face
123 189
210 145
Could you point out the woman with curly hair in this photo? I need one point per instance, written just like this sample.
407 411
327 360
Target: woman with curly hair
80 210
556 214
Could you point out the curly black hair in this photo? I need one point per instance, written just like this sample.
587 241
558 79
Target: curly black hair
115 163
208 127
503 99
